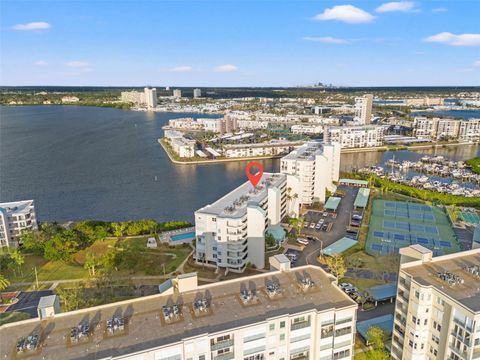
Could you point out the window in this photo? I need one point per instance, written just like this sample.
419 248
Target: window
425 322
271 327
410 343
417 294
282 337
201 357
282 324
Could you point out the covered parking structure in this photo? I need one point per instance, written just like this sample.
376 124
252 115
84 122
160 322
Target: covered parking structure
332 203
361 200
384 322
383 292
339 246
353 182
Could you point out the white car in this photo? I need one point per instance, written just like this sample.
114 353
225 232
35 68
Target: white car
306 225
312 225
302 241
344 286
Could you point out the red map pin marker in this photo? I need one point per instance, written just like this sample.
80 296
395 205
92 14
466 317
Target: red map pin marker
254 178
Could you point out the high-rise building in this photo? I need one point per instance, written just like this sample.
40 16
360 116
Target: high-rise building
437 311
177 93
14 218
151 97
197 93
230 233
312 168
289 314
363 109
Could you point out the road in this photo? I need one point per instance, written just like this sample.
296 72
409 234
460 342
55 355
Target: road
311 251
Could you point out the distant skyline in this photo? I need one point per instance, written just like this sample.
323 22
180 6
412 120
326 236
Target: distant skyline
239 43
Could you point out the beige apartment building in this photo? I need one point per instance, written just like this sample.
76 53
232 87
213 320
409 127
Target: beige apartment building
280 315
437 311
355 136
441 129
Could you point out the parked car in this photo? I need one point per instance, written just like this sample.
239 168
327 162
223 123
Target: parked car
325 214
312 225
321 221
344 286
324 227
311 238
351 290
302 241
318 226
306 225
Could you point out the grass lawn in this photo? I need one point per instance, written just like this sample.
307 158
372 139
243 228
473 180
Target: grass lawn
13 316
376 264
145 262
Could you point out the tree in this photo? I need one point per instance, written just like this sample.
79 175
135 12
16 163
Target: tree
63 245
91 263
18 259
376 337
4 283
336 265
72 298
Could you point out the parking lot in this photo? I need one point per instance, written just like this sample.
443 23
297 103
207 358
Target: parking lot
327 228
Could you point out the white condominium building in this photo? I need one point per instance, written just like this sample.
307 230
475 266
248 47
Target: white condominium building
151 97
15 217
177 93
363 109
230 232
443 128
252 124
437 311
272 148
312 168
197 93
184 148
215 125
307 129
280 315
355 136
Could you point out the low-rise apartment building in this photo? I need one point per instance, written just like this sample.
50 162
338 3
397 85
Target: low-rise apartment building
312 169
437 310
215 125
16 217
443 128
230 233
271 148
183 147
307 129
355 136
281 315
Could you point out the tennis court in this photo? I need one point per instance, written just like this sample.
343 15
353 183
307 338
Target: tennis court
396 224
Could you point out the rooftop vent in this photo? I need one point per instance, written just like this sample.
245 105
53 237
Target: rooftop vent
115 324
27 344
473 269
450 278
171 313
273 289
79 332
306 283
201 306
248 296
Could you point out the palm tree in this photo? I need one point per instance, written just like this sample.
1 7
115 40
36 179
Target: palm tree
4 283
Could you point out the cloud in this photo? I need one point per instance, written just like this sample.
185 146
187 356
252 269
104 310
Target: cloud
325 40
40 63
438 10
401 6
455 40
40 25
476 63
77 64
181 69
346 13
226 68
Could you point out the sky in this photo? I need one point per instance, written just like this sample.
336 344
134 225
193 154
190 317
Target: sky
239 43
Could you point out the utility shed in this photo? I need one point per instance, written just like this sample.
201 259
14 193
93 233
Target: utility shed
48 306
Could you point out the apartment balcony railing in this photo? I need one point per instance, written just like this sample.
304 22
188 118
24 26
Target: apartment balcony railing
299 325
226 356
221 344
253 337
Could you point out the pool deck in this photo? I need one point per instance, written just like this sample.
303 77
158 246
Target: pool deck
166 237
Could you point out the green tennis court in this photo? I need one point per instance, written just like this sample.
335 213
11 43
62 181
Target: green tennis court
396 224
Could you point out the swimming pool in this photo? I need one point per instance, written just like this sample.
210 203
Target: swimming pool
185 236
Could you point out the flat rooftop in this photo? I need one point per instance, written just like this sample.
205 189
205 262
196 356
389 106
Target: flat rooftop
145 327
16 206
306 151
467 294
234 204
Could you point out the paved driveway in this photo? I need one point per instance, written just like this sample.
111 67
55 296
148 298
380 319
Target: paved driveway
28 301
338 230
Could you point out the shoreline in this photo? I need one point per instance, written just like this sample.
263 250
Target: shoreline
344 151
215 161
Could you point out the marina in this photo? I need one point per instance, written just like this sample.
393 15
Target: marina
436 173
